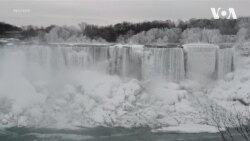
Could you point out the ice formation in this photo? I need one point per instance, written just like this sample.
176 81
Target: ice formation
70 86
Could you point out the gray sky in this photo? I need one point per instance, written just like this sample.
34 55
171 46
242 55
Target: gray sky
103 12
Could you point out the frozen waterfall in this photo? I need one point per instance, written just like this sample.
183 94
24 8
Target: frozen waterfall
200 61
225 62
207 61
195 61
92 85
163 63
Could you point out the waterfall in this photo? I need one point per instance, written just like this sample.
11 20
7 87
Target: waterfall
201 61
208 61
196 61
164 63
126 61
92 85
225 62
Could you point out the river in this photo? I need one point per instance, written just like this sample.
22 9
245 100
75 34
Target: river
100 134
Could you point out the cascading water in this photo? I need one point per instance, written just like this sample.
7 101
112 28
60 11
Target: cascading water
126 61
207 62
163 63
141 63
225 62
201 61
83 85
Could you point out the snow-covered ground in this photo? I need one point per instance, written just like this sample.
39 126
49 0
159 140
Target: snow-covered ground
85 100
81 98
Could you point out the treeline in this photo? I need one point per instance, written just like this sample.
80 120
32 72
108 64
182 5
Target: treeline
4 27
112 32
207 30
7 29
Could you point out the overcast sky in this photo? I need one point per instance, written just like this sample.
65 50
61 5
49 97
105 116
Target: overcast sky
103 12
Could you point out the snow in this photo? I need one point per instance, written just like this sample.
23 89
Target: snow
246 45
80 44
128 45
234 86
200 45
87 99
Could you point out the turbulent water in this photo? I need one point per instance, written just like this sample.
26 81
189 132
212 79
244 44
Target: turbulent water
65 86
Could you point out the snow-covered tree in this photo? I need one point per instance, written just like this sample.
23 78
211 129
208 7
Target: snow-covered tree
243 34
156 36
201 35
68 34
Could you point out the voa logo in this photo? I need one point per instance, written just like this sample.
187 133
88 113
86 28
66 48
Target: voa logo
222 13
